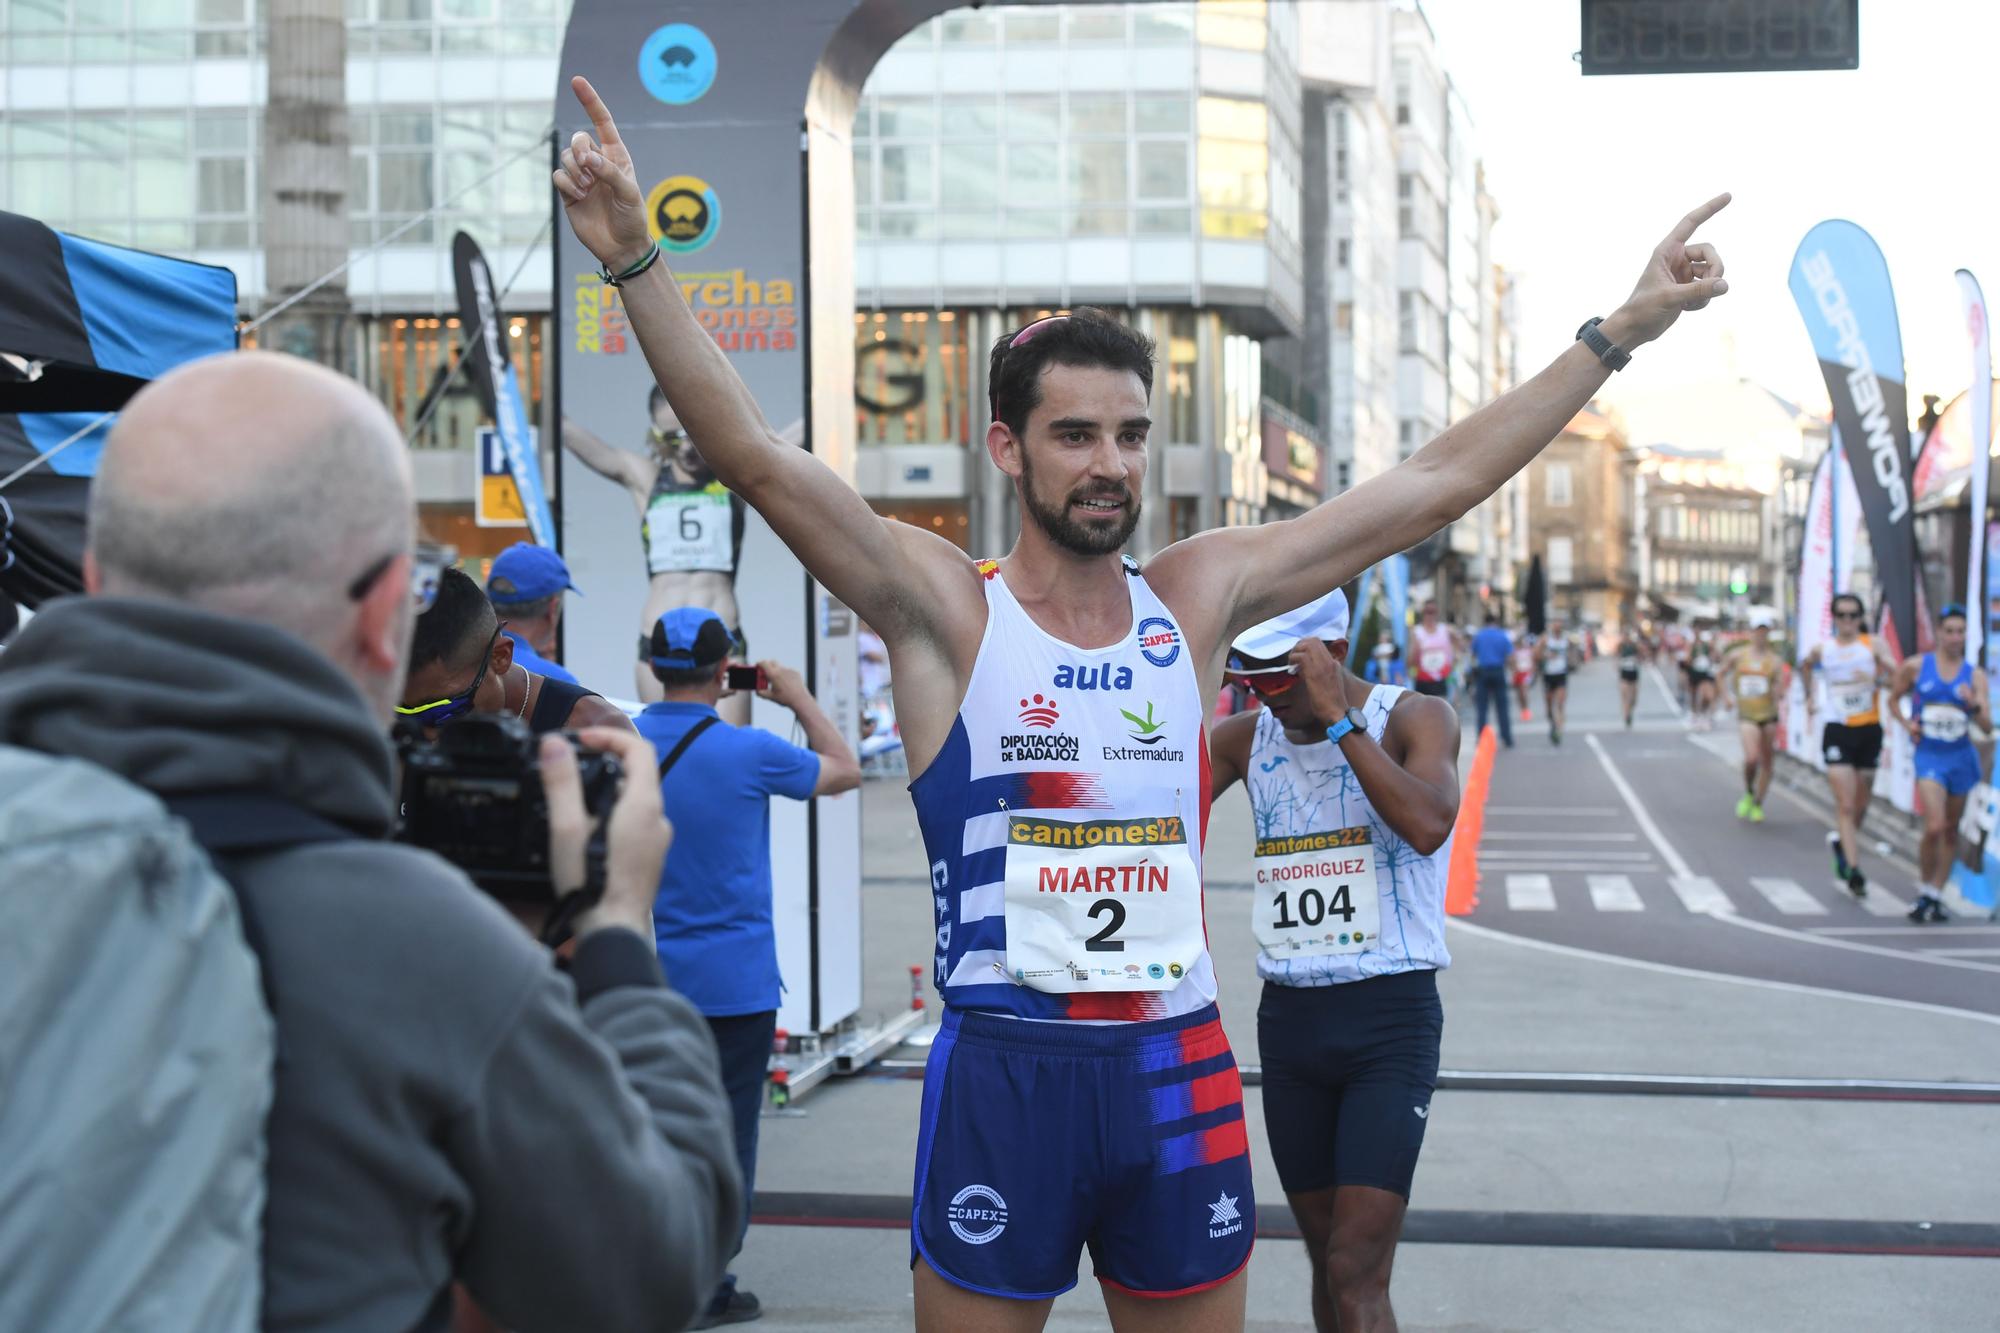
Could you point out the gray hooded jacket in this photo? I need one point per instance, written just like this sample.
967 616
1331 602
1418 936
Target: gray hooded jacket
449 1107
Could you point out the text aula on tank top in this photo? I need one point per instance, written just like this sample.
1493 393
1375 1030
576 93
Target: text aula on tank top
1063 822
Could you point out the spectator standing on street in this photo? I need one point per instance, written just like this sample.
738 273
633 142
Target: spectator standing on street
447 1106
712 917
526 586
1492 648
1385 665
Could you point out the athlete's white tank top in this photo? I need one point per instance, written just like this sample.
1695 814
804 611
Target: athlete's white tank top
1312 822
1848 670
1434 652
1063 822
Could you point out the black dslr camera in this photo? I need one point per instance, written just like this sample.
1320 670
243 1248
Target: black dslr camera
473 794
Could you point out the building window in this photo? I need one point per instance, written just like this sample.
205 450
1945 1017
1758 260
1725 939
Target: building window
1558 485
1234 168
1559 562
911 378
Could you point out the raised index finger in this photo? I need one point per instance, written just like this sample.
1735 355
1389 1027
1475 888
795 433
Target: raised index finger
600 114
1682 229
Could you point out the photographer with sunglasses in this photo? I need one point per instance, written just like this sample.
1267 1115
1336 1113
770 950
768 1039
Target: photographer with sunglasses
1354 788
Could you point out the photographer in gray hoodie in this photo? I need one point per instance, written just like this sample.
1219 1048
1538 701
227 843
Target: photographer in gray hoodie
448 1106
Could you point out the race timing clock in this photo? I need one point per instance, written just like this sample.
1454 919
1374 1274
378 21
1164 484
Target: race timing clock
1719 36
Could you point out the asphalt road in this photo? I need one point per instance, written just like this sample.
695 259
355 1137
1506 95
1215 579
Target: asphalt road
1625 842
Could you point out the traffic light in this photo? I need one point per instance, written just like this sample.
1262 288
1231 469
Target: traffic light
1738 584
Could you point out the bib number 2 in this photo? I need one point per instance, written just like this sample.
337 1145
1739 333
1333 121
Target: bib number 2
1101 905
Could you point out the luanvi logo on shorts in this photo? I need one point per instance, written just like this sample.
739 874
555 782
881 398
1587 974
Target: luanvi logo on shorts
1223 1219
977 1214
1423 1112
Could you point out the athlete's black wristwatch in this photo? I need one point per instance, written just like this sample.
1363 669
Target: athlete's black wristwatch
1610 353
1352 720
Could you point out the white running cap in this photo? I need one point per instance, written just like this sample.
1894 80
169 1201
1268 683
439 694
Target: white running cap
1322 619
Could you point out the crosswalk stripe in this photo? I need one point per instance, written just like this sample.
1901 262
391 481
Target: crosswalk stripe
1699 893
1788 896
1530 893
1880 902
1614 893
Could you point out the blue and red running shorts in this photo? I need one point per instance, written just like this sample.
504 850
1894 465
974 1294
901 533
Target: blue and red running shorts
1038 1139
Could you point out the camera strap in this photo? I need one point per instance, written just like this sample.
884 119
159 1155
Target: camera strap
687 739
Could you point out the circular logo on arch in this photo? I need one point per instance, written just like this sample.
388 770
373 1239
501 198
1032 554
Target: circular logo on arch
677 63
683 213
1159 641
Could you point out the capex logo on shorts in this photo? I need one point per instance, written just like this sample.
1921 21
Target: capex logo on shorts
683 213
677 63
1159 641
977 1214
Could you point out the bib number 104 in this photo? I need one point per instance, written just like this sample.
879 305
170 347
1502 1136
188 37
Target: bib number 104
1314 907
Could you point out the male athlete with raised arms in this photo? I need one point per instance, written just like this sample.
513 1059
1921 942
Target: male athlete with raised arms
1081 1092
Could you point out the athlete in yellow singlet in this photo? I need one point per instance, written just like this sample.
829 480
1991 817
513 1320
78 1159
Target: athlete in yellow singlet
1753 678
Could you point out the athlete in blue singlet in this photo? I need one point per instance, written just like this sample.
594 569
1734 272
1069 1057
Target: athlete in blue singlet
1946 695
1354 790
1081 1094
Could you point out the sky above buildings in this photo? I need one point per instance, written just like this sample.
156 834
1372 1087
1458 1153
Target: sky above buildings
1591 172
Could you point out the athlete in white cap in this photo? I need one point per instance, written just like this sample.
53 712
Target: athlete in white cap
1354 789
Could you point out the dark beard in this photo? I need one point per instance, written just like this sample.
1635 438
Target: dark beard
1073 535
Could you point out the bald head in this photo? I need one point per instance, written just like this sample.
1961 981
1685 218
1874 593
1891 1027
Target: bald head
251 483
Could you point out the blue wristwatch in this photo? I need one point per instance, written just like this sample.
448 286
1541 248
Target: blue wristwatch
1352 720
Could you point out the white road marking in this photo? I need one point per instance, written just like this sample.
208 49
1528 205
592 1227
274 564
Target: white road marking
1907 955
1530 893
1542 834
1645 821
1559 854
1954 928
1671 970
1880 902
1591 811
1699 893
1967 953
1614 893
1573 867
1666 693
1788 896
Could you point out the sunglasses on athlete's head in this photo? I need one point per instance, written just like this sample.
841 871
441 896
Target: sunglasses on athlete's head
440 711
428 562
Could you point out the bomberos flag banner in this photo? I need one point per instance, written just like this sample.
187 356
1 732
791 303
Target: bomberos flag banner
1841 283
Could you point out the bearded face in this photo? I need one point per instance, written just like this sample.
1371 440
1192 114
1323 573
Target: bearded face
1092 518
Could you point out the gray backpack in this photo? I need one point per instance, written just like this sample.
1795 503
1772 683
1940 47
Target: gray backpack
136 1058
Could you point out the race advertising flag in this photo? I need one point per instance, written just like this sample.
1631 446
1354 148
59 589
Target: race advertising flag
1841 284
1982 448
492 372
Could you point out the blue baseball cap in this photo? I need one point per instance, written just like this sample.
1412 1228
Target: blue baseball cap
525 572
688 637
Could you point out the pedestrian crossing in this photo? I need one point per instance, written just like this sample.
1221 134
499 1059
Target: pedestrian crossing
1638 891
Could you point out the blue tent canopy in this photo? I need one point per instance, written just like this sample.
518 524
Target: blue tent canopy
83 326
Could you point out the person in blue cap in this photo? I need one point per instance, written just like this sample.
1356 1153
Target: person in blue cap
712 919
526 586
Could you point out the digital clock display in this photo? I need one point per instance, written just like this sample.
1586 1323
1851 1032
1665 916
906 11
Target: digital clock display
1719 36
